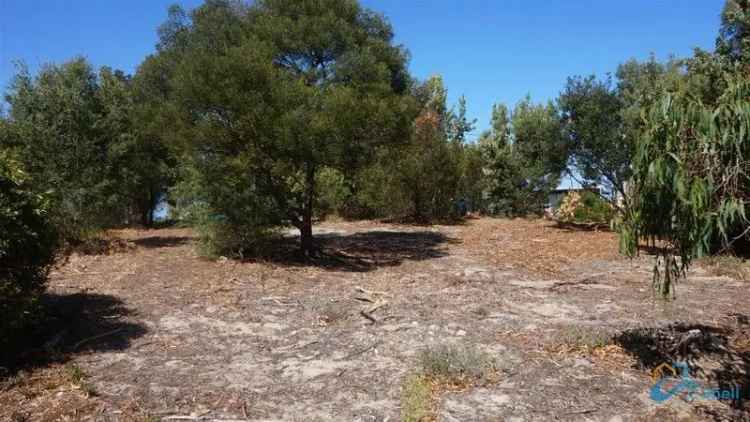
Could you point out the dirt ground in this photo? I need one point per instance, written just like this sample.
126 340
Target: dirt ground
158 333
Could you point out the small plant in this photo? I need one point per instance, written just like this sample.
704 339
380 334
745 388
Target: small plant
416 398
78 378
75 374
456 364
582 338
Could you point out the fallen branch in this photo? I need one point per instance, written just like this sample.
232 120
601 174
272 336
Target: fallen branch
583 281
377 306
371 292
581 412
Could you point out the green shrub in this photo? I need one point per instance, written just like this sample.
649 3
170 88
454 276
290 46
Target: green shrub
27 247
333 192
230 216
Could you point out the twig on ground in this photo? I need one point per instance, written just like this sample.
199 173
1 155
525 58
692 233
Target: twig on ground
377 306
365 350
371 292
368 316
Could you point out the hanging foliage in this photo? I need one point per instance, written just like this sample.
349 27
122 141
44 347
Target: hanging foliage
690 177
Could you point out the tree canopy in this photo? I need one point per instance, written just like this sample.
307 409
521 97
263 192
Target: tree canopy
268 95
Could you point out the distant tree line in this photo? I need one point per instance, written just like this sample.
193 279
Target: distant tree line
251 117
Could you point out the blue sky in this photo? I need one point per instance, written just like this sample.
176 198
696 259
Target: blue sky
490 51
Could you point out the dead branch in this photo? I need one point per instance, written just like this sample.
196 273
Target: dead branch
377 306
368 316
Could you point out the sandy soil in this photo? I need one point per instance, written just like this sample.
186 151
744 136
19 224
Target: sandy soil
161 333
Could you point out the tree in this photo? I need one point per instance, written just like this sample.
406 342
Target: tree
57 117
734 33
603 121
526 155
78 138
267 95
594 126
427 167
136 157
690 183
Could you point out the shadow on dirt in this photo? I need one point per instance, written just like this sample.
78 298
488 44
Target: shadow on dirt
361 252
581 227
73 324
719 357
154 242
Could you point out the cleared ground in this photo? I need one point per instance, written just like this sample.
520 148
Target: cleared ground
157 332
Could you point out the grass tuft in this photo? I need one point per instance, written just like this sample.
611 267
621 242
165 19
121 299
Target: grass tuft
416 399
456 364
78 378
582 338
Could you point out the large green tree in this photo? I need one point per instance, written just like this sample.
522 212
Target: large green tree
57 117
78 137
266 96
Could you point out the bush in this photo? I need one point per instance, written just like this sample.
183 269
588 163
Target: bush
27 248
586 207
230 216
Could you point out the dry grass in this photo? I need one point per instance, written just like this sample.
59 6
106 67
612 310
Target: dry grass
727 266
416 399
539 247
456 364
580 339
442 367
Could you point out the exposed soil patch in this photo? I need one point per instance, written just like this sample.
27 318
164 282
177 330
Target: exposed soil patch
336 339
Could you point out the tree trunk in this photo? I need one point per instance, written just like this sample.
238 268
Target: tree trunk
305 230
306 237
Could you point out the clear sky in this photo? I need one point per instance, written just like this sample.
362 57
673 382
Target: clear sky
490 51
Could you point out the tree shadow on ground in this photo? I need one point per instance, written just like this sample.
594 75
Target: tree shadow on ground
362 252
155 242
719 357
580 227
72 324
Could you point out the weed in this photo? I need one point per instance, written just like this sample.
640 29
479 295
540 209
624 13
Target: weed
78 378
416 399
